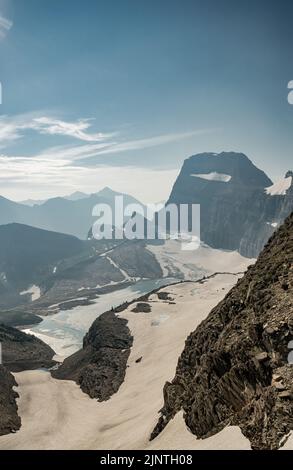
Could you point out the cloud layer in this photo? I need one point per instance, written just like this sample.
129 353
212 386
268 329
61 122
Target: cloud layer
21 178
13 128
64 168
5 26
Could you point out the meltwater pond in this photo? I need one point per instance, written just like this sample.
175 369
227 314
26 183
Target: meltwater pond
65 330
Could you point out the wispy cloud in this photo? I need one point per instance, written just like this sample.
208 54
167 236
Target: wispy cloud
65 167
140 144
75 129
5 26
95 143
13 128
83 152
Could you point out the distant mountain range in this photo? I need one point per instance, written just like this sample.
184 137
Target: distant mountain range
72 197
71 215
240 205
49 245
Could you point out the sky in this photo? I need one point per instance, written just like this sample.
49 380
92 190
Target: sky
118 93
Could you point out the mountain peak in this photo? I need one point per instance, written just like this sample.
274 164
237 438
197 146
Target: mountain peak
237 165
106 191
76 196
228 185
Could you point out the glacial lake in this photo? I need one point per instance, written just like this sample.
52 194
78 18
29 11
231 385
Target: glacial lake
65 330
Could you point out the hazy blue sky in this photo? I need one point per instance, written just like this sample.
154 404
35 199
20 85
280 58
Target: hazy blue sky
119 92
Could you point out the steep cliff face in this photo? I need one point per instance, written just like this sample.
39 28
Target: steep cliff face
271 209
240 206
24 352
9 419
99 367
19 352
234 369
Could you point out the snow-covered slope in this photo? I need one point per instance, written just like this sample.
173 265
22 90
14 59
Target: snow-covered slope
126 420
280 187
194 264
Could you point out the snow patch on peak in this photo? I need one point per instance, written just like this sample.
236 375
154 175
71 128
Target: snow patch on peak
280 187
213 176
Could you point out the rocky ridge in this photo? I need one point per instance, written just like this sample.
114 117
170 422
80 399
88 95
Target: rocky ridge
234 369
24 352
19 352
99 367
9 419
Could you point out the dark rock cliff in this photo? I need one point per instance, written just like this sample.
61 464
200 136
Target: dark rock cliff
234 369
99 367
19 352
24 352
9 419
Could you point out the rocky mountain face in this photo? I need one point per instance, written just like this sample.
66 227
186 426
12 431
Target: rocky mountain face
28 253
19 352
62 267
99 368
240 206
24 352
235 368
9 419
28 256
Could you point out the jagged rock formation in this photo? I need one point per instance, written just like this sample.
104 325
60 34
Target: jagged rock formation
234 369
99 367
24 352
9 419
238 210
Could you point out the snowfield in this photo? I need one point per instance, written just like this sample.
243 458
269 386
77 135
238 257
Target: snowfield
194 264
213 176
280 187
58 415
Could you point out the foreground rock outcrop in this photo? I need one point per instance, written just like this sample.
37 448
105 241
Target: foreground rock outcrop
234 369
9 419
99 367
24 352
